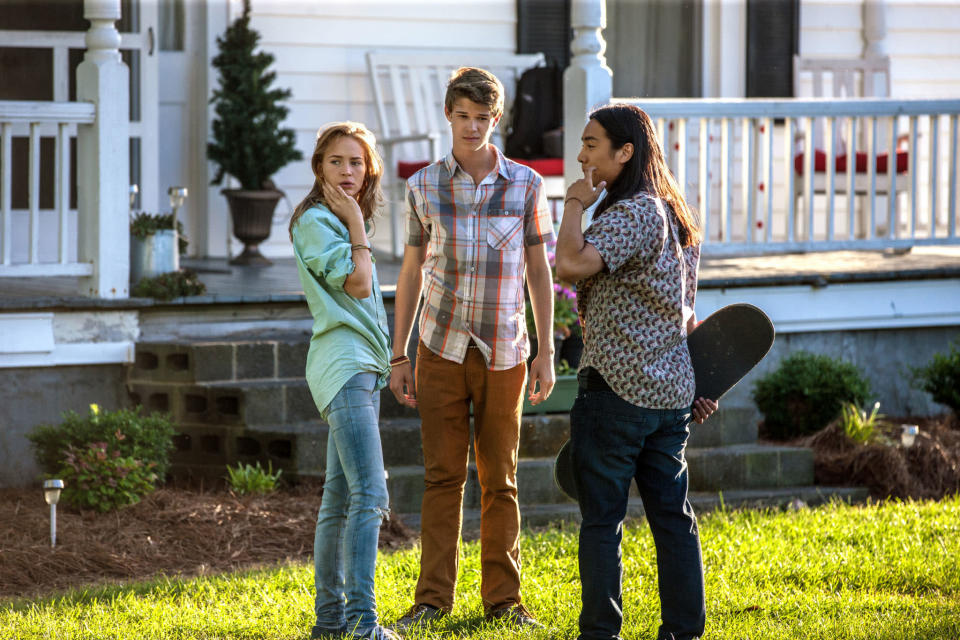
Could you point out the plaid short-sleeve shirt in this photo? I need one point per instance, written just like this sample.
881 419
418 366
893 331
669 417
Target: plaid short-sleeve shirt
475 261
634 314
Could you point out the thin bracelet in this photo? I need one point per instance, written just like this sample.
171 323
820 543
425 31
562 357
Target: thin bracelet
360 246
399 360
582 206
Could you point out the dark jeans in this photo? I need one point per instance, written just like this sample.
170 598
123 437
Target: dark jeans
613 442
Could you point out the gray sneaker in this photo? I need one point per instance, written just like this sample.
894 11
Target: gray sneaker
516 616
419 614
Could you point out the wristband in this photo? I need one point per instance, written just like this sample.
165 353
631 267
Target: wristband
583 207
399 360
360 246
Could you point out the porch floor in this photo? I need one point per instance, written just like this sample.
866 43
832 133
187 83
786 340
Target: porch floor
279 282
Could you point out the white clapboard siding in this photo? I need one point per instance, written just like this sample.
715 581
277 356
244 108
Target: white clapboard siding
922 40
319 49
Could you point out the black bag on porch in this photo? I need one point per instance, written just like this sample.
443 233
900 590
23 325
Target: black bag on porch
537 109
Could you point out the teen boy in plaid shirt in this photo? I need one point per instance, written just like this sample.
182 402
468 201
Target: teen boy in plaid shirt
477 224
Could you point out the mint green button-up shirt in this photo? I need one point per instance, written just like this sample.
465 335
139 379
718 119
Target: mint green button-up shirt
350 336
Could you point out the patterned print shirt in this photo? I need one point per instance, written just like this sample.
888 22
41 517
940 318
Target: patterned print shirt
474 267
634 313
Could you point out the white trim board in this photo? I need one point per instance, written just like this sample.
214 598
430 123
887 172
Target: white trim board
849 306
82 353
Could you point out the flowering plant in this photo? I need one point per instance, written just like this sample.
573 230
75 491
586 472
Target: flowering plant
565 318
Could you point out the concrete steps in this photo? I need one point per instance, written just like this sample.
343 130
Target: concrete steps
538 515
244 399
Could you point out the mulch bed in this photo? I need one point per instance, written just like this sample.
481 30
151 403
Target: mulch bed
930 469
185 532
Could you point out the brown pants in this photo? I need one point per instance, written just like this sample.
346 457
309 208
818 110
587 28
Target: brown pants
444 392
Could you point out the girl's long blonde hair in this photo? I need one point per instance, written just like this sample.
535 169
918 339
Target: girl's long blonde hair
370 197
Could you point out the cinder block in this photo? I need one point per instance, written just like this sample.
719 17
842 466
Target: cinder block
299 402
715 469
212 361
535 483
761 469
256 360
262 404
405 486
543 435
400 439
796 466
292 358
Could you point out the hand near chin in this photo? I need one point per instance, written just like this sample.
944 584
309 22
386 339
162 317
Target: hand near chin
343 206
583 189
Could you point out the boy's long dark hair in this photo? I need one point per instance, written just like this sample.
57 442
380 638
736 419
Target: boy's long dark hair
646 170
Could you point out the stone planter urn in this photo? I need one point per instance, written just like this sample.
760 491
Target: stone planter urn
252 215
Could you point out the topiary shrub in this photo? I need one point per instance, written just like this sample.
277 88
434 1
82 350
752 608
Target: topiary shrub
806 392
146 438
941 377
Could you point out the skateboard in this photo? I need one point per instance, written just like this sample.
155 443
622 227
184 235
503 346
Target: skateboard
723 349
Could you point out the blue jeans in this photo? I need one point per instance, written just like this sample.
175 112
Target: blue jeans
613 442
354 505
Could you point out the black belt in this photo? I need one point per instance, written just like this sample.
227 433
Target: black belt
590 379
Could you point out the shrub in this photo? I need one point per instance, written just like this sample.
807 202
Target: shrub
146 438
167 286
246 479
806 392
98 477
941 377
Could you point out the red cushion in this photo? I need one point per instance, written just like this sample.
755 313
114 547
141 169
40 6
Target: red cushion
543 166
840 163
407 169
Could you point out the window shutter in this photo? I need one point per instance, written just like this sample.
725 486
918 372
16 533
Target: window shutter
773 37
544 26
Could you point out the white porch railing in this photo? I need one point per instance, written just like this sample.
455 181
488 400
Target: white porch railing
743 164
34 120
98 249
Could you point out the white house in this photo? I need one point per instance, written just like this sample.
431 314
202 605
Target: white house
692 62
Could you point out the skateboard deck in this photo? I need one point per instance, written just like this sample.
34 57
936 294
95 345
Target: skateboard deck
723 349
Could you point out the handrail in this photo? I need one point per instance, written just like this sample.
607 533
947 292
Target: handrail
21 111
775 175
779 108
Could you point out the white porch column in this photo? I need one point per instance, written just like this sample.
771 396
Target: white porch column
103 156
874 29
587 82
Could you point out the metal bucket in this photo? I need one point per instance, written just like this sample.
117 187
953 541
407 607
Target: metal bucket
157 253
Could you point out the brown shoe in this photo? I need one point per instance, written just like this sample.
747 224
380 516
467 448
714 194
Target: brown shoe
419 614
515 615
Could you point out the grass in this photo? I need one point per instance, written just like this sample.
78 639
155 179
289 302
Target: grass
883 571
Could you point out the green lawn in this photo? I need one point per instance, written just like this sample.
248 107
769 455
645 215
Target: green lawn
834 572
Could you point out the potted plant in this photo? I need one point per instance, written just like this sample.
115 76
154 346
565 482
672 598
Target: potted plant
248 141
152 240
568 344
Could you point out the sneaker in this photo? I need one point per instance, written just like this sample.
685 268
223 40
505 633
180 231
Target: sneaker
379 632
325 633
419 614
515 615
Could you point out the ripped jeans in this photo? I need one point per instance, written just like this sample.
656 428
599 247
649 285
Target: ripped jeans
355 502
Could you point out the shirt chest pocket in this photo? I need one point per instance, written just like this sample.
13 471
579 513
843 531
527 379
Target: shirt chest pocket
504 229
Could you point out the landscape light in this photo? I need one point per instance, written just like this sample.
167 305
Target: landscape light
51 494
908 434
